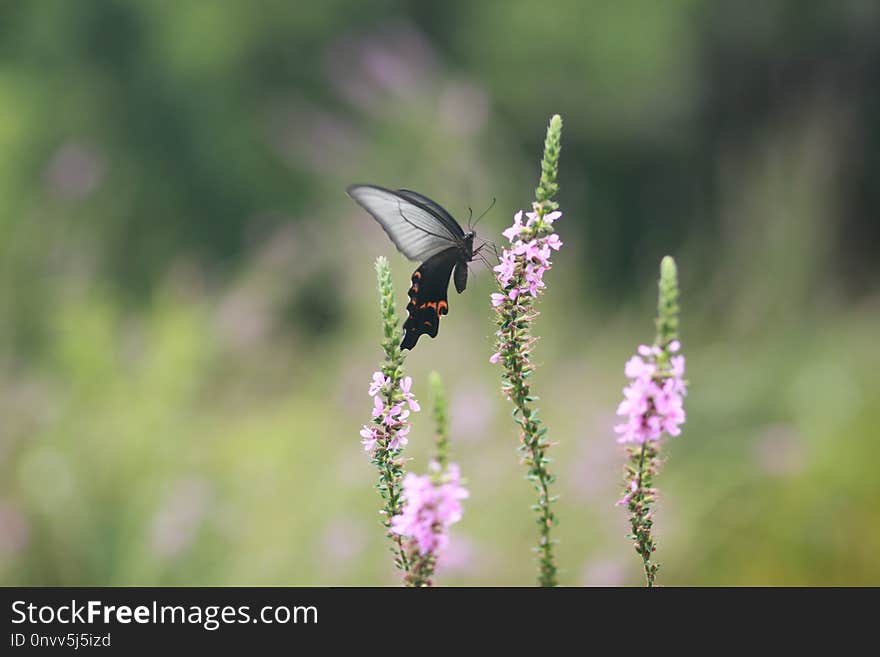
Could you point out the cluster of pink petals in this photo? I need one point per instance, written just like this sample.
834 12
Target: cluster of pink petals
653 401
529 253
522 267
429 508
389 419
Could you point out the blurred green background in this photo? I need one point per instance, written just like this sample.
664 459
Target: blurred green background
188 319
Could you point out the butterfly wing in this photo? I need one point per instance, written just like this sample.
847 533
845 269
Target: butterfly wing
427 297
418 230
448 221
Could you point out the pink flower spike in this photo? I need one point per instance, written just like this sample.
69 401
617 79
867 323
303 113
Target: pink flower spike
652 401
674 346
495 358
429 509
497 299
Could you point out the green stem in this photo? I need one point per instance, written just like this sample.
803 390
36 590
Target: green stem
388 461
533 445
646 542
441 421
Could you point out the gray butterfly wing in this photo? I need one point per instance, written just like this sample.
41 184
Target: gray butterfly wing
441 213
417 231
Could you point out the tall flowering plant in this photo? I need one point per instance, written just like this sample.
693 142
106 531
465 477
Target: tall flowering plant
431 503
386 435
520 276
653 406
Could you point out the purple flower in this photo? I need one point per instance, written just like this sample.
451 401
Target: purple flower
533 218
521 268
378 407
370 437
550 217
636 368
390 420
505 268
633 487
516 228
534 279
410 399
553 242
677 363
429 509
653 402
399 439
397 413
378 383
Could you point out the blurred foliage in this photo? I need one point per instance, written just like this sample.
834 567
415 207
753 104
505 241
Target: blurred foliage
187 313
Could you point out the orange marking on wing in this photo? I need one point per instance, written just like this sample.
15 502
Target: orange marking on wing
442 307
417 275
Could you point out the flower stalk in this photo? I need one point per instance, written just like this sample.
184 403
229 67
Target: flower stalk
520 276
386 435
432 502
439 406
653 406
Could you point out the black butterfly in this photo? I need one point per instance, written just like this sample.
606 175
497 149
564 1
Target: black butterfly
421 230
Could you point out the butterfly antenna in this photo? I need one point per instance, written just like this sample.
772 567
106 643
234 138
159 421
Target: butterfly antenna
485 212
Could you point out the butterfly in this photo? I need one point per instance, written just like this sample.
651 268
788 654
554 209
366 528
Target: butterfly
422 230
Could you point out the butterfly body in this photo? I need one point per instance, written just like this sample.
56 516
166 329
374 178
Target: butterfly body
422 230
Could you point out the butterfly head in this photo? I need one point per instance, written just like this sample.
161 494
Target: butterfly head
469 244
